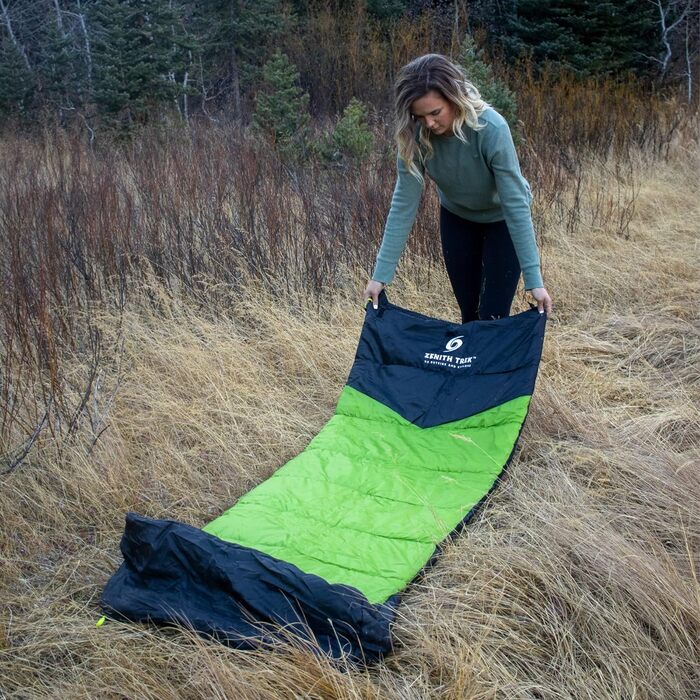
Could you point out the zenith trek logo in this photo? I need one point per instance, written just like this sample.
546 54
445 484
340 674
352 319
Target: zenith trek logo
446 358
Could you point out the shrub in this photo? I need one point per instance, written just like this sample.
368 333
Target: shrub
351 139
282 108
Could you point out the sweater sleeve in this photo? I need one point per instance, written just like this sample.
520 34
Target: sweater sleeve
402 214
514 193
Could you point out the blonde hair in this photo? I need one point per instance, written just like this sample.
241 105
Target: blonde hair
425 73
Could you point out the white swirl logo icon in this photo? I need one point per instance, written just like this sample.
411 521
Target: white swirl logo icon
454 344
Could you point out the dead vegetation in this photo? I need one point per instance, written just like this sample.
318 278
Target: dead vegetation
579 579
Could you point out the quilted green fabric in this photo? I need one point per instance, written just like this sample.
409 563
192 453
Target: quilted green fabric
371 496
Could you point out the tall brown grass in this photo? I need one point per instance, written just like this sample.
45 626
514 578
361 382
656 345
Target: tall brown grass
579 578
178 317
81 226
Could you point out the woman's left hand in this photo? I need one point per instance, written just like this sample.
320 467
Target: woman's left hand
544 301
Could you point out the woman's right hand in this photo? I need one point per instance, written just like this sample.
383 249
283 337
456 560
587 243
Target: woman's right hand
372 291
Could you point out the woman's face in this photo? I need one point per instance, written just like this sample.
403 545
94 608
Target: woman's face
434 112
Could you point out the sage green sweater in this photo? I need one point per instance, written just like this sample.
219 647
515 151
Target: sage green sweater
478 181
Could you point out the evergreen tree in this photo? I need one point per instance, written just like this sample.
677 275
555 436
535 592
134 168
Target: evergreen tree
386 8
352 138
495 92
282 107
56 68
236 38
586 36
17 85
138 51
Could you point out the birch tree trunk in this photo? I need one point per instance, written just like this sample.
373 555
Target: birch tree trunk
88 50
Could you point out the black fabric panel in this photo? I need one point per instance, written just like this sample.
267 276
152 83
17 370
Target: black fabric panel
432 372
173 572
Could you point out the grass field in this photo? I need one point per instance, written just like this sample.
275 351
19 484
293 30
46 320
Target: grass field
579 579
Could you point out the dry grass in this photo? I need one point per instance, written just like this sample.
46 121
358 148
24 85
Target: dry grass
579 578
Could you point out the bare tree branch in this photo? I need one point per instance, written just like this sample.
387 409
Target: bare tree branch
23 450
665 10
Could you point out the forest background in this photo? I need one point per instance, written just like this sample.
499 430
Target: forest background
130 62
191 199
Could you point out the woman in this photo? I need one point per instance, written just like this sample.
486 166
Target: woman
445 128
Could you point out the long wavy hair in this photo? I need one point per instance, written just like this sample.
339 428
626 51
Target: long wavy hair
425 73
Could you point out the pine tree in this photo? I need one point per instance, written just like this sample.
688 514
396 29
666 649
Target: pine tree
137 52
17 86
56 68
586 36
495 92
351 139
236 38
384 9
282 107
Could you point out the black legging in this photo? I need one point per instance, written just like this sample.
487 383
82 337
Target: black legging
482 265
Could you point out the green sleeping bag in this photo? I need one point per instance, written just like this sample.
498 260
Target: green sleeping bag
423 429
